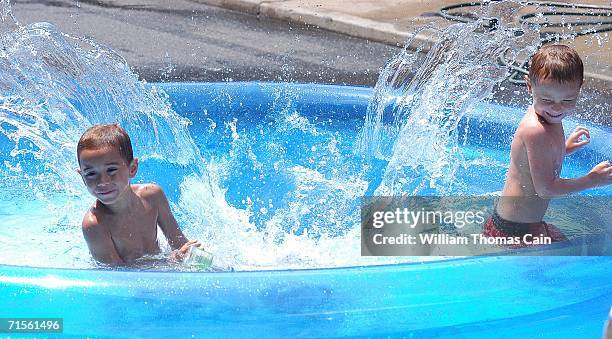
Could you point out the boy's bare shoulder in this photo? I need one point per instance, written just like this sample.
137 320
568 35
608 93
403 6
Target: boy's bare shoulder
91 219
98 237
531 129
150 192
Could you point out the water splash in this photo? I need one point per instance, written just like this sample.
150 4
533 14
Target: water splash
53 87
296 192
7 19
420 99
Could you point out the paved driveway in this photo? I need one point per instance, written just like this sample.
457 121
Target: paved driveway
184 40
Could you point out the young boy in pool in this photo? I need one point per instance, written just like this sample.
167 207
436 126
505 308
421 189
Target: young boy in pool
539 146
121 226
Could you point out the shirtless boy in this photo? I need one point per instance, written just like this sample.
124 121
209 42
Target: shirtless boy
539 146
121 226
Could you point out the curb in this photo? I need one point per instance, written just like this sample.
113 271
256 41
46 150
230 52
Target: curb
334 21
337 22
246 6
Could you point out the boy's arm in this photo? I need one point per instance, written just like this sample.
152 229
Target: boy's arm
541 167
98 240
166 220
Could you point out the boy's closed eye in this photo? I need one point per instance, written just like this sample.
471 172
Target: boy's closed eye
90 174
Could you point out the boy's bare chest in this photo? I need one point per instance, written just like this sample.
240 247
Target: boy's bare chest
135 234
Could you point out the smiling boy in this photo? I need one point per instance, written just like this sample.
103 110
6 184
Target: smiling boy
539 146
121 226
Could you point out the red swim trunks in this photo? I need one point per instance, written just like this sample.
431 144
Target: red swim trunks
496 226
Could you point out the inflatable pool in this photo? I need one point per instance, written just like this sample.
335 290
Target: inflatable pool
495 296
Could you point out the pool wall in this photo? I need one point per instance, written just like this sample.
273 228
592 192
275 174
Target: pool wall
549 297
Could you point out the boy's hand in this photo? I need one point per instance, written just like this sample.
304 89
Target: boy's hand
179 254
573 142
601 174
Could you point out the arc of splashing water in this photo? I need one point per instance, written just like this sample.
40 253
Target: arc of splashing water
458 71
54 85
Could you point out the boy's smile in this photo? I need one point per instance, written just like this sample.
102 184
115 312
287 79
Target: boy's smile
553 100
105 173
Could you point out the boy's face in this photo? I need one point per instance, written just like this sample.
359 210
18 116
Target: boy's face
553 100
105 173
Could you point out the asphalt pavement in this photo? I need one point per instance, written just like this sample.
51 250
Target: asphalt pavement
181 40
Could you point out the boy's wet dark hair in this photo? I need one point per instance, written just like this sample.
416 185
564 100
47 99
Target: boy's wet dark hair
559 63
106 135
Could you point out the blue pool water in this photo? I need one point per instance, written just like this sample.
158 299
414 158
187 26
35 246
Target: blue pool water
307 163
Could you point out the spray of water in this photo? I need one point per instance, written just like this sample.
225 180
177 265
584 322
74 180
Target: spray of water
54 86
420 99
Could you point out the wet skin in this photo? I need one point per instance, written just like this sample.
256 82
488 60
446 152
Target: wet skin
121 226
537 153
